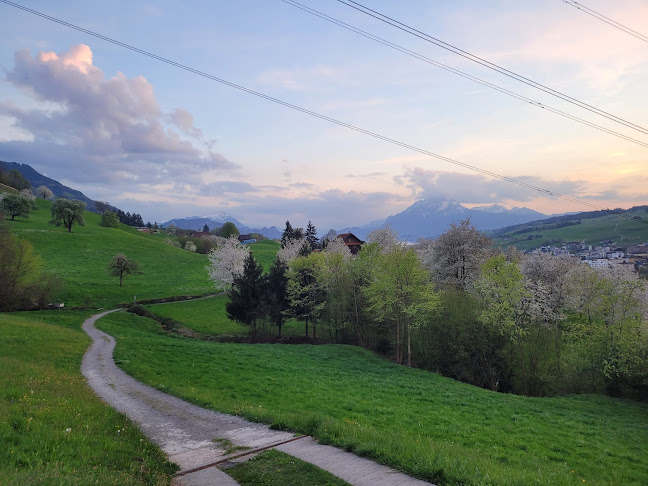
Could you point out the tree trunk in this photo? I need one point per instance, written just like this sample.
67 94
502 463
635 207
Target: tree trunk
525 379
409 346
306 327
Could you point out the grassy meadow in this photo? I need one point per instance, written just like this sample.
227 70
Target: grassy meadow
53 429
623 230
209 317
419 422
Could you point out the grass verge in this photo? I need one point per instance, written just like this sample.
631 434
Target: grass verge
274 468
53 429
426 425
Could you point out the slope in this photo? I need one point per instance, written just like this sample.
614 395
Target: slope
81 259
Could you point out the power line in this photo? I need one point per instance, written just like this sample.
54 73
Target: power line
475 79
607 20
306 111
449 47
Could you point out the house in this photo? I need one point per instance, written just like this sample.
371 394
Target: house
245 239
352 242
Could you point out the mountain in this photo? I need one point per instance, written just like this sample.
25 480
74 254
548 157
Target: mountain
36 179
429 218
216 220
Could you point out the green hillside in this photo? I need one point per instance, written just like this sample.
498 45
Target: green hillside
628 228
81 259
432 427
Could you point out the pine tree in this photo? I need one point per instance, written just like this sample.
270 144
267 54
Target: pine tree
288 234
276 294
246 295
311 236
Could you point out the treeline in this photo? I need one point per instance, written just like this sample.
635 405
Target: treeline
529 324
14 178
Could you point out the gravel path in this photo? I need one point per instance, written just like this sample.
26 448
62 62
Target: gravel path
186 432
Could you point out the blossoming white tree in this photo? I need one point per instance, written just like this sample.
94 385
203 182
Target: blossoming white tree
226 261
290 250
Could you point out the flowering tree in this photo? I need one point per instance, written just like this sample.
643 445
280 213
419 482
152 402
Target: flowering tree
290 250
44 192
386 238
226 261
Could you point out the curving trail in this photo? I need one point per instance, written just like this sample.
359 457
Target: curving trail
186 432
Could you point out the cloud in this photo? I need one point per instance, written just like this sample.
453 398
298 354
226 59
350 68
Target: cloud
477 188
297 79
90 128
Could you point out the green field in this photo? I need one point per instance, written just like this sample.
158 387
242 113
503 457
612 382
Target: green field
208 316
429 426
622 230
53 429
81 259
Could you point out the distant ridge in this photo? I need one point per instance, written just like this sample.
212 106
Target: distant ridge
36 179
216 220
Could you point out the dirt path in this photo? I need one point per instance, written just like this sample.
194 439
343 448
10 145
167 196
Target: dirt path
187 433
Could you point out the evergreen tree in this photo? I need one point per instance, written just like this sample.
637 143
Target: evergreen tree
276 295
205 229
288 234
311 236
246 295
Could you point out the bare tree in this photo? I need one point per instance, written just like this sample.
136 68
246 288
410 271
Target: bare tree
101 206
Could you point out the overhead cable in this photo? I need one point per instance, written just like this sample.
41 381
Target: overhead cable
449 47
475 79
607 20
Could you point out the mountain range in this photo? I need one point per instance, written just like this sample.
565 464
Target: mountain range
429 218
426 218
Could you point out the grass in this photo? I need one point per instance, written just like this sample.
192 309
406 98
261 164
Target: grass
81 259
208 316
274 468
265 252
429 426
623 230
53 429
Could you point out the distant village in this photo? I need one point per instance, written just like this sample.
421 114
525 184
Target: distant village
609 253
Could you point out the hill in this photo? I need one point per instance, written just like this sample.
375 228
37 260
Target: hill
218 219
36 179
81 258
625 227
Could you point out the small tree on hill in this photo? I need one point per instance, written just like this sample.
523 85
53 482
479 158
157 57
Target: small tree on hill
66 213
109 219
229 229
15 205
287 235
44 192
120 266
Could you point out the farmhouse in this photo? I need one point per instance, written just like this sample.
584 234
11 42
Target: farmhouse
352 242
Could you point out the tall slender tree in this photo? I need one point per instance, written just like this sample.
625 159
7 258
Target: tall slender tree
245 303
311 236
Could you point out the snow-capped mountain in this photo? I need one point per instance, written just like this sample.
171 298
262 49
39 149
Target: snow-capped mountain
431 217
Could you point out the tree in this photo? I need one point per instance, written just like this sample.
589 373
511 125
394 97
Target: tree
16 180
508 304
226 261
306 295
456 256
205 229
102 206
287 235
228 230
401 295
109 219
23 285
245 303
66 213
15 205
386 238
276 294
290 250
171 229
44 192
120 266
311 236
328 237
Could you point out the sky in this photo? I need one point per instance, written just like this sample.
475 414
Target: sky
151 138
